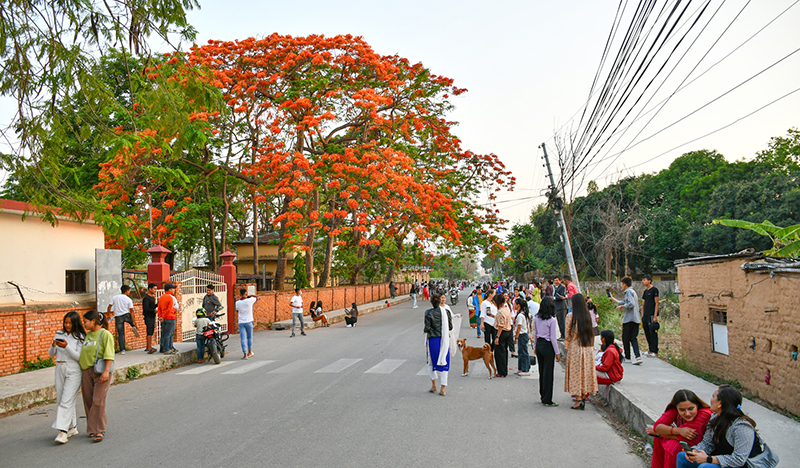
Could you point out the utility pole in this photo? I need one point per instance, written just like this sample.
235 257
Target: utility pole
558 204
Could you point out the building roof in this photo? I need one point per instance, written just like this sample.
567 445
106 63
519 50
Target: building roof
773 265
266 238
24 208
706 259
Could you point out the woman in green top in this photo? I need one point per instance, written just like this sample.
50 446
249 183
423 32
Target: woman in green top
98 344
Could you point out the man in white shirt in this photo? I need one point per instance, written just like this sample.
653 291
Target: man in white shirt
487 319
244 309
297 310
122 305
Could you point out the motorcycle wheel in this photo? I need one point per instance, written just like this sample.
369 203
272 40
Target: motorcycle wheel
221 348
214 352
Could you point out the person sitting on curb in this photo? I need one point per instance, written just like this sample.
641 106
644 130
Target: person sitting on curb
684 420
609 370
317 315
351 315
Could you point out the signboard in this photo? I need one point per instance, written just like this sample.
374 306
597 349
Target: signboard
108 276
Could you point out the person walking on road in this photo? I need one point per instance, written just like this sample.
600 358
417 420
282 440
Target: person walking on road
122 305
297 311
414 292
438 324
502 325
97 350
244 309
149 312
66 349
167 311
580 377
488 312
477 299
630 321
392 289
545 333
650 303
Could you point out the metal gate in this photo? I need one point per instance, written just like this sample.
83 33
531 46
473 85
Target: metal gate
193 288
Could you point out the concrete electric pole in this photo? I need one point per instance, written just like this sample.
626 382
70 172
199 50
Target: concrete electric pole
558 204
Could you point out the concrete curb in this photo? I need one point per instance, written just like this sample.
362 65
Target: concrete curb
338 316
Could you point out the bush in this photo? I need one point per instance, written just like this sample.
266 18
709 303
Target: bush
39 363
133 373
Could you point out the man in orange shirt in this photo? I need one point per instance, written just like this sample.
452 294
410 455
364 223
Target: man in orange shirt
167 311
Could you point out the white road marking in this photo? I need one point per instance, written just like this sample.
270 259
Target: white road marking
204 368
424 371
387 366
337 366
292 367
248 367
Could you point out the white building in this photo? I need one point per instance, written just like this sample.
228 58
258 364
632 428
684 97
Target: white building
49 264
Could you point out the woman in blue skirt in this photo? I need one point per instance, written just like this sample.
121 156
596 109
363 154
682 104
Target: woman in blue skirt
438 323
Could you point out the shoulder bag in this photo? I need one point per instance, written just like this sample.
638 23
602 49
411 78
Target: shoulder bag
766 459
100 364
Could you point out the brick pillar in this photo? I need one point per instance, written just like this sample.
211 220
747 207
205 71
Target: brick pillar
158 269
228 271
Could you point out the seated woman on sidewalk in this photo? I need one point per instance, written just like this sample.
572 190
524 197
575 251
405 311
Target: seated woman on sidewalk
351 316
684 419
609 371
730 438
317 315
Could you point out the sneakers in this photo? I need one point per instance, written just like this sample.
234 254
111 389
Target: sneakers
650 354
349 325
550 404
523 373
637 361
62 438
172 351
292 336
122 352
72 432
303 333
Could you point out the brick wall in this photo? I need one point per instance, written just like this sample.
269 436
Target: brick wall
758 307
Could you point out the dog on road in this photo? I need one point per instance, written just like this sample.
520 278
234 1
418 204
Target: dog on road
472 354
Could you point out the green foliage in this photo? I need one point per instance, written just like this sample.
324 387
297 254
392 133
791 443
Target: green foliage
300 277
449 267
133 373
785 241
37 364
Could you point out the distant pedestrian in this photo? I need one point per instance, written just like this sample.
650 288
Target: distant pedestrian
167 311
297 311
560 295
580 378
545 334
521 336
122 305
211 303
317 315
66 349
488 312
438 324
351 316
476 307
244 309
548 290
149 313
502 325
650 306
392 289
473 321
593 313
414 292
425 292
571 291
630 321
98 350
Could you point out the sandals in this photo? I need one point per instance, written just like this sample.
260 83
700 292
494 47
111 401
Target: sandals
98 437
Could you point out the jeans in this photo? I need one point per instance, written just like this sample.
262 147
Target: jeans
650 334
296 317
682 462
524 362
546 359
201 346
120 322
478 321
414 298
246 336
167 334
630 330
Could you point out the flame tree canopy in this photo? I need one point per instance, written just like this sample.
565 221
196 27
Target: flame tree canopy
337 148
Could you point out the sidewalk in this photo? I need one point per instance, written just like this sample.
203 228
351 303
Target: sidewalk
645 390
19 391
335 316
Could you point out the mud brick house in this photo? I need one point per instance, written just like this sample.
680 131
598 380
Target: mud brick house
740 320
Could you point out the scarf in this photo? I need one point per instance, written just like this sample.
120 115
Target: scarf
444 345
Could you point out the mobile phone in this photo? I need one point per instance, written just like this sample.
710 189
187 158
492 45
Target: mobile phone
685 446
608 292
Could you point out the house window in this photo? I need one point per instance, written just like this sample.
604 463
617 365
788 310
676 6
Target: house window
719 331
76 281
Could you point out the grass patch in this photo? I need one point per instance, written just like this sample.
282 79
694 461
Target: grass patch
37 364
133 373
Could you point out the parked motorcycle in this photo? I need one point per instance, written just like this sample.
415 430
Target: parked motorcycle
215 339
453 296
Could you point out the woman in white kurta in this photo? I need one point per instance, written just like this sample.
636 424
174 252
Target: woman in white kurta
66 349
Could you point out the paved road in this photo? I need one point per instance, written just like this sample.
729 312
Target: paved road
339 397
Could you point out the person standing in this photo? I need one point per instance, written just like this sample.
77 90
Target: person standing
167 311
66 349
571 291
414 292
580 378
244 309
98 346
425 292
560 295
149 313
487 319
473 318
536 293
122 305
438 324
502 325
521 327
630 321
476 305
297 311
548 290
650 303
392 289
546 350
211 303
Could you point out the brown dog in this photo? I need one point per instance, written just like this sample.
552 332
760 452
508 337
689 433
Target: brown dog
471 354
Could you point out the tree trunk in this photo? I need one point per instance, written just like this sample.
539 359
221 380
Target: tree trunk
212 232
324 277
255 236
310 245
280 270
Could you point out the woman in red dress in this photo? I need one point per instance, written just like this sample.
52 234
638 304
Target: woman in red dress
685 419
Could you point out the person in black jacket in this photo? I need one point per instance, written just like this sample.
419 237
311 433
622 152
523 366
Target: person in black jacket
438 324
560 295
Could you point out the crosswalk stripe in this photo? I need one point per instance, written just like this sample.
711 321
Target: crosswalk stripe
292 367
337 366
423 371
204 368
247 367
387 366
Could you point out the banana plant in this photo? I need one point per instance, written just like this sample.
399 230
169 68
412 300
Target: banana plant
785 240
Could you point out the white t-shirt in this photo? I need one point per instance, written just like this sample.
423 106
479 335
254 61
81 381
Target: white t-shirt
121 304
485 307
297 304
533 307
244 307
521 320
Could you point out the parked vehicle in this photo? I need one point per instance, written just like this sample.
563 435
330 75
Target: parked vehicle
215 339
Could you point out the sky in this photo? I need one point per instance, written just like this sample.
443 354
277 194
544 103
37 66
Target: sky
529 66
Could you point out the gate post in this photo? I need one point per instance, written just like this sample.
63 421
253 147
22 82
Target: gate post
228 271
158 269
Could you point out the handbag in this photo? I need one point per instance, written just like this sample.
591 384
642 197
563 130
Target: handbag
766 459
100 365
